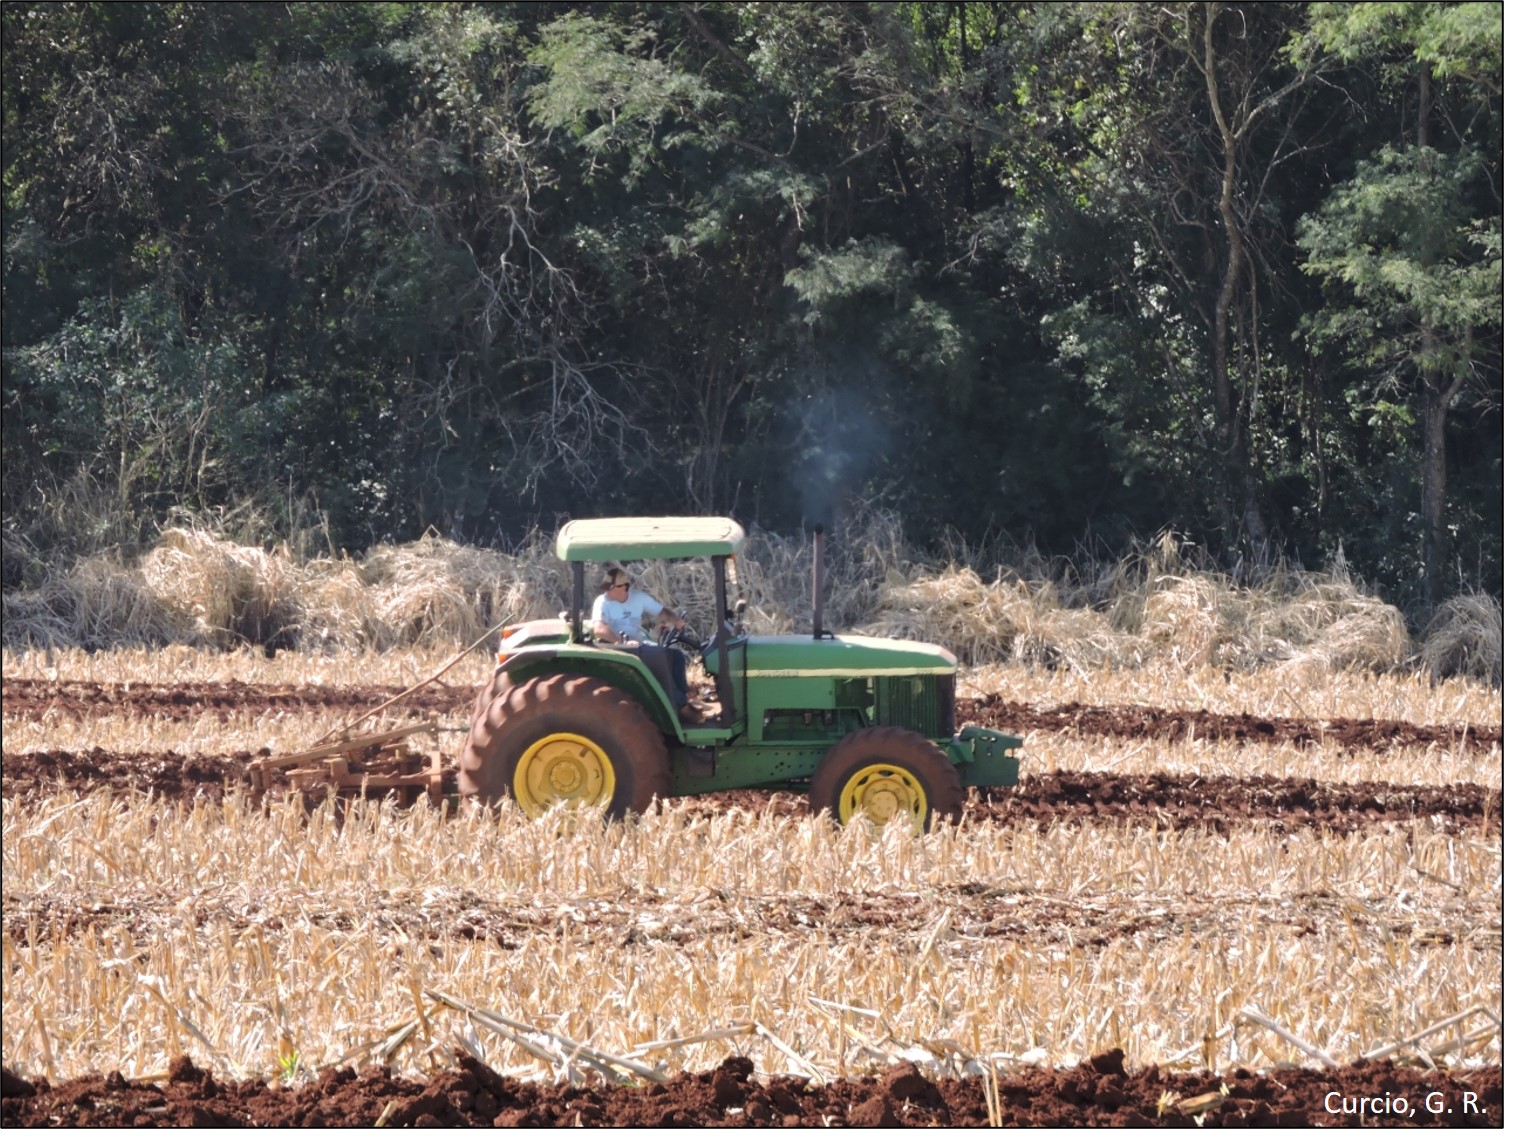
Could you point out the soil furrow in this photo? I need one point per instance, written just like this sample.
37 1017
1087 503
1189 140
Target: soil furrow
1167 801
34 698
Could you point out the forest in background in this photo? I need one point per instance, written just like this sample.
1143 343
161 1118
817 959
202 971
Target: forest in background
1069 274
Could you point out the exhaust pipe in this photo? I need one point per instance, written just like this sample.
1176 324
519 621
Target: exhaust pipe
818 578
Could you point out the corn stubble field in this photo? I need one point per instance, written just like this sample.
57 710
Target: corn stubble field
274 939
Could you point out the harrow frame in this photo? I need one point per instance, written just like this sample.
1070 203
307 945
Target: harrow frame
371 762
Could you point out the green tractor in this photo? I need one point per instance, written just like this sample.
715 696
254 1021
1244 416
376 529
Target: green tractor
866 725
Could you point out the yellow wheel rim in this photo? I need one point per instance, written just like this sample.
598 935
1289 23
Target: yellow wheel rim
563 767
880 792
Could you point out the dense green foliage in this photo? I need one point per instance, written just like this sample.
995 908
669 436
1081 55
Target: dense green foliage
1071 273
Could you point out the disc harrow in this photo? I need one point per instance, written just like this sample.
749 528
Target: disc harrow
368 763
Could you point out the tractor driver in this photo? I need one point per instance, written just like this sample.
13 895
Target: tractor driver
617 619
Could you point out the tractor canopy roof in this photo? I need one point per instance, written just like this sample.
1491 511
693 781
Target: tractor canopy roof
648 537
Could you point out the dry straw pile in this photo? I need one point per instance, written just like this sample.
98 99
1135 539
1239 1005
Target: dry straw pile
199 588
99 603
1467 636
1152 607
223 591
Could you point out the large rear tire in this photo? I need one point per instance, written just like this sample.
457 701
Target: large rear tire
494 687
564 738
885 771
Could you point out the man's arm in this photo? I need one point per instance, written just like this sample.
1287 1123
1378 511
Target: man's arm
655 613
662 614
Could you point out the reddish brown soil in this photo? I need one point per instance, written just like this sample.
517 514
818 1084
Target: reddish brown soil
1167 801
34 697
174 776
1180 725
1220 803
1098 1093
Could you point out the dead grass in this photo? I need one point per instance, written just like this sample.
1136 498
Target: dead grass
1313 692
249 938
269 940
1184 621
180 664
1274 693
1046 753
198 588
137 931
99 603
1150 608
1467 637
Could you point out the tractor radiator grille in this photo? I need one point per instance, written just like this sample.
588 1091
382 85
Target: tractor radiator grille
924 704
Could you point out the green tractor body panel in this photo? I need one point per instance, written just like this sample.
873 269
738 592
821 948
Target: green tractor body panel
796 685
793 697
986 757
843 656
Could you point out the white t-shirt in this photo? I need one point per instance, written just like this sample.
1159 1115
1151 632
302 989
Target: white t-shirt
625 618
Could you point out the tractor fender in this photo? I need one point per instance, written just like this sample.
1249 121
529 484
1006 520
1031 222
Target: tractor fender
620 669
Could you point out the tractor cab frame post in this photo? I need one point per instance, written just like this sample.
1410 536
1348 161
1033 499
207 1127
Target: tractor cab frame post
722 643
577 603
818 580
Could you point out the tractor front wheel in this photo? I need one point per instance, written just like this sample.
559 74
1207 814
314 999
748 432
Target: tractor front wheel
564 738
885 771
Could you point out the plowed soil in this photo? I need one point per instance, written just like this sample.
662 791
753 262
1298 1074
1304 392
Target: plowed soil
1100 1092
34 697
1167 801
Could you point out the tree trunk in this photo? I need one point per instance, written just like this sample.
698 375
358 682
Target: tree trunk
1433 489
1436 396
1231 427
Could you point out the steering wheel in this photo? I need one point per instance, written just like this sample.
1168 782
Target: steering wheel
681 637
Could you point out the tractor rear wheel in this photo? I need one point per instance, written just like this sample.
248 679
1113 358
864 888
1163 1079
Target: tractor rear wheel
564 738
494 687
885 771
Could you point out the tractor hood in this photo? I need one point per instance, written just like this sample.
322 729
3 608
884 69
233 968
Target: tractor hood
801 656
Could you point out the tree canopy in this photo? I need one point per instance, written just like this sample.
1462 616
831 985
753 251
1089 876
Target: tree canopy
1067 272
